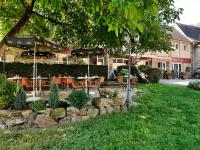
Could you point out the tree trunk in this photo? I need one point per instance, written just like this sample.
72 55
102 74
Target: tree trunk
27 14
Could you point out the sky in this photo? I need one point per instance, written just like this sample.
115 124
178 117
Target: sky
191 13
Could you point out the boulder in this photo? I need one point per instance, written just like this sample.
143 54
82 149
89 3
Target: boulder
43 121
45 112
4 113
109 109
118 101
116 108
74 119
26 114
123 108
14 121
71 111
83 118
102 110
15 114
101 102
92 112
66 119
83 112
3 126
58 113
32 118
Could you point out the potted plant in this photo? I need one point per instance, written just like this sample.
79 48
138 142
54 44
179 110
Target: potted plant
183 75
168 75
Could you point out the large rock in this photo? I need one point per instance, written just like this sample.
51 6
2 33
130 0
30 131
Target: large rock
43 121
26 114
58 113
31 119
74 118
64 120
117 101
102 110
14 121
72 111
109 109
83 112
116 108
3 126
101 102
15 114
4 113
123 108
45 112
92 112
81 118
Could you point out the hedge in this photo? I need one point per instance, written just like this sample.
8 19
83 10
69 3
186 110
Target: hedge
46 70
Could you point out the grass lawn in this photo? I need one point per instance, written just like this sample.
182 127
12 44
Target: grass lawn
168 118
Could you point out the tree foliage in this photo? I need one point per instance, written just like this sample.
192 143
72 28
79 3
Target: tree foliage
88 23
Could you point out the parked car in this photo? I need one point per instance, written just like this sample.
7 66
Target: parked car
196 74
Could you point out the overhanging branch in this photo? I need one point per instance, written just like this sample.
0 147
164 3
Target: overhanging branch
52 20
23 3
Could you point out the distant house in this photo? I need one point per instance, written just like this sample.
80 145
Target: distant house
179 60
193 33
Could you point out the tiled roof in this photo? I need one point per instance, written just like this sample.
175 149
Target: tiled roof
192 32
177 35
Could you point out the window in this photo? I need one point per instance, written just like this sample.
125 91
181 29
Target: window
184 47
177 46
146 63
114 60
159 65
119 60
125 61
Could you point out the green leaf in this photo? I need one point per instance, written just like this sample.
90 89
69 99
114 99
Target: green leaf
140 27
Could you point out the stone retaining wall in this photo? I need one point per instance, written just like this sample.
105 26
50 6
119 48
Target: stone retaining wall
28 119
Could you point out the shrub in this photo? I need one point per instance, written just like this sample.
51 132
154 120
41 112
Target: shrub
20 99
38 105
183 75
168 75
134 71
194 85
153 75
78 98
53 96
124 72
143 68
7 90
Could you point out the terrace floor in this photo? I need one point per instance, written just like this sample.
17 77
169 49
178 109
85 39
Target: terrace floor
63 93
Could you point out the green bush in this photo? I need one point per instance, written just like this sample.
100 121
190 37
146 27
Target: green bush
53 96
78 98
20 99
153 75
123 72
38 105
7 90
143 68
194 85
134 71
